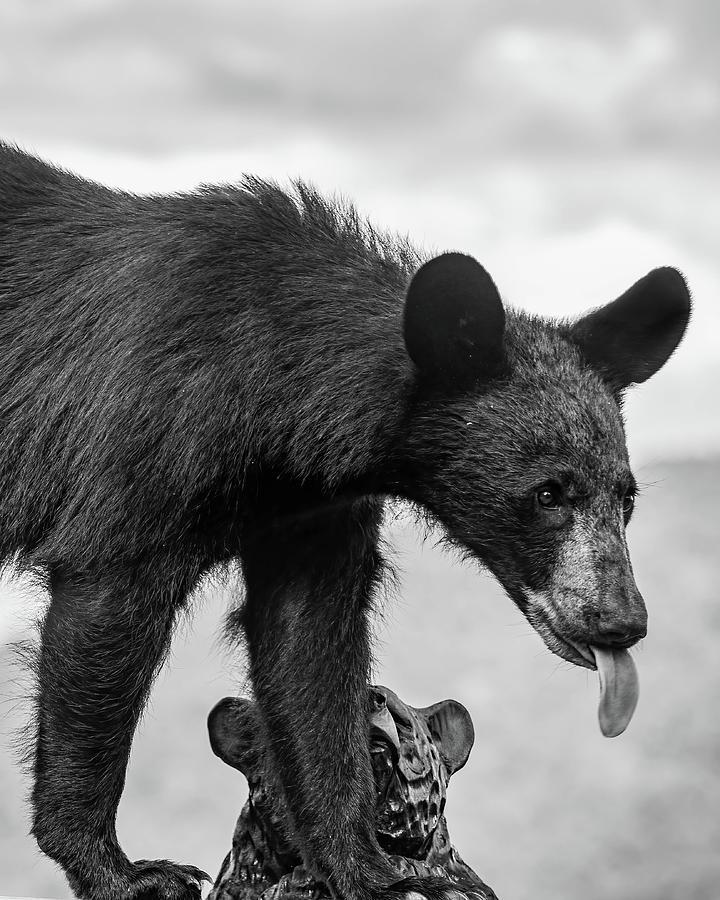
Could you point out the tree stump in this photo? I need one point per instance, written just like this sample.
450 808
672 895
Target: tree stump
414 752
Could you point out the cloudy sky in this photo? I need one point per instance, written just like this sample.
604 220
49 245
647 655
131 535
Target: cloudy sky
571 147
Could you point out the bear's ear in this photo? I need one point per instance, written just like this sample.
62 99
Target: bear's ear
234 733
452 728
454 321
628 340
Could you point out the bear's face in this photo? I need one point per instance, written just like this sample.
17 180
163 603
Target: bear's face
524 460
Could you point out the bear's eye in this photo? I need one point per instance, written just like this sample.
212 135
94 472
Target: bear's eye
549 496
629 502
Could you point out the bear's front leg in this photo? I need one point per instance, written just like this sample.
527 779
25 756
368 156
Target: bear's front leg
310 580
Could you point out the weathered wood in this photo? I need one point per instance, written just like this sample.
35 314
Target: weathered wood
414 752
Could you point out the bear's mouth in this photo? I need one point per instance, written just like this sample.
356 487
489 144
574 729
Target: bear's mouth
619 687
566 648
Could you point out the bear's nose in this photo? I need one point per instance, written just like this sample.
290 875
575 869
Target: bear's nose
620 632
620 619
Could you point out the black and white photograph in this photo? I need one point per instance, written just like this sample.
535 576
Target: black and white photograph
359 450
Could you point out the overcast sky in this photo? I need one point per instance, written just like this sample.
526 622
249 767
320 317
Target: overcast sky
517 77
570 146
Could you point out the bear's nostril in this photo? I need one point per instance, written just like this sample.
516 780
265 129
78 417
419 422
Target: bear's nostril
614 635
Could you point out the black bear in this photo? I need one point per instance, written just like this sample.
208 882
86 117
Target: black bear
247 374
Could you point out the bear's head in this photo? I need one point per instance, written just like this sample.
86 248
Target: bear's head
516 442
414 752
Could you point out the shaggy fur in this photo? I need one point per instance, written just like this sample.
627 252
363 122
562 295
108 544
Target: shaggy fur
246 373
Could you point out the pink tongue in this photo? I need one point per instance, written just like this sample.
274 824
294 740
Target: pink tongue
619 689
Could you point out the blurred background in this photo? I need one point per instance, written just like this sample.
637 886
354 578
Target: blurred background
571 147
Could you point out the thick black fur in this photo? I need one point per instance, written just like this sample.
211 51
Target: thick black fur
228 375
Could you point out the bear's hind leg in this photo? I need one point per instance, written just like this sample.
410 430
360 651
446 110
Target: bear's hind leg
103 640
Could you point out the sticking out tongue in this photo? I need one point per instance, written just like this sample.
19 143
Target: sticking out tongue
619 689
